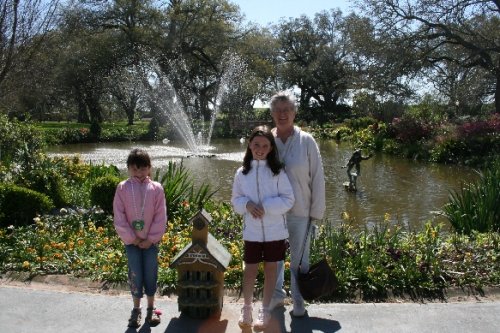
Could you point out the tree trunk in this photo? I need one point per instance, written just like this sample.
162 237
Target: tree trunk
497 91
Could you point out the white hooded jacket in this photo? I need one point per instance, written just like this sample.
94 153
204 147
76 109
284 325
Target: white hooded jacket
275 193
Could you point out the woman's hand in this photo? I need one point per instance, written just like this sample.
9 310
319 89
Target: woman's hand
256 210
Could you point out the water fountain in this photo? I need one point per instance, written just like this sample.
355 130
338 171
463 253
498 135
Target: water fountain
163 96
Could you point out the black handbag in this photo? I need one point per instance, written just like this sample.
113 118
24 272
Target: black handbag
319 281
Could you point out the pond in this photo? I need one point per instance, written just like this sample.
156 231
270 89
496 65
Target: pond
411 192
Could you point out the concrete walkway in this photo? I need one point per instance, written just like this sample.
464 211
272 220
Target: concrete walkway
27 310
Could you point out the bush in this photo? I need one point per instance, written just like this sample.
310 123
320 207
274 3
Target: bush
19 205
102 192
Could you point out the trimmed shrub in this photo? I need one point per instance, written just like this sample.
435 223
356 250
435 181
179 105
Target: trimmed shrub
19 205
102 192
51 183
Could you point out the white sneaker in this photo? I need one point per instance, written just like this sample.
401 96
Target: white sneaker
276 302
262 320
245 320
299 309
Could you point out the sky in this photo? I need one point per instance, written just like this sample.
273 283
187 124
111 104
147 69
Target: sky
263 12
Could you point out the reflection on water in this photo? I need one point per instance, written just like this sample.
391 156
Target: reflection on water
409 191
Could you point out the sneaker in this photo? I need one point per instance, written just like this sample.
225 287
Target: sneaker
299 309
245 320
262 320
276 302
135 318
153 317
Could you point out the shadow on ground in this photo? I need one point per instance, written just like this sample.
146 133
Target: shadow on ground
277 324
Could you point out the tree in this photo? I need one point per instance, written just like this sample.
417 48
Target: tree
434 26
199 34
314 59
23 26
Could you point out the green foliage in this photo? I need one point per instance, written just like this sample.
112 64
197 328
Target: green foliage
371 264
66 133
50 182
429 110
360 123
386 261
179 188
102 192
14 136
40 173
476 206
19 205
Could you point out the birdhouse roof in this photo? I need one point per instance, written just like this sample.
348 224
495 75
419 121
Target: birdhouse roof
213 249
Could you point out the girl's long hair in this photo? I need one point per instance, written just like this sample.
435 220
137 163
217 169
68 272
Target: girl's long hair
272 158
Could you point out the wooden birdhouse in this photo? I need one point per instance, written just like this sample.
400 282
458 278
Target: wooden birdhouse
200 271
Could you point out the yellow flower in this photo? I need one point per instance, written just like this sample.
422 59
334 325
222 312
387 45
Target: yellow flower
387 217
370 269
81 242
345 216
26 264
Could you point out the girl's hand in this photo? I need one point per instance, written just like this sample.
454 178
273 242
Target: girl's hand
145 244
256 210
137 241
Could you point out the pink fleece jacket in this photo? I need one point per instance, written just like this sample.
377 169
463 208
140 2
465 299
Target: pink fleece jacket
126 210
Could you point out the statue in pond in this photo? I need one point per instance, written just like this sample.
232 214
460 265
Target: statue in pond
354 161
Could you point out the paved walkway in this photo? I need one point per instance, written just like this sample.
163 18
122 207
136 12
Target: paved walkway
27 310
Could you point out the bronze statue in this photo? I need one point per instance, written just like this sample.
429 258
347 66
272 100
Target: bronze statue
354 161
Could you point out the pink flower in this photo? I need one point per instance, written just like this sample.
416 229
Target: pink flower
157 312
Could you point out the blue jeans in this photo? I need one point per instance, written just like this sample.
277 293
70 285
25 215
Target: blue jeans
297 227
142 270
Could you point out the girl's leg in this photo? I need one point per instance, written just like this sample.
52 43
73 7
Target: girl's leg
135 272
150 257
135 269
150 272
270 275
249 276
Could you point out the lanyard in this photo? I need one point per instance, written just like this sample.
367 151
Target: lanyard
143 201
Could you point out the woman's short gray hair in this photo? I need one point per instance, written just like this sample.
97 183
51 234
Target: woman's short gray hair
282 96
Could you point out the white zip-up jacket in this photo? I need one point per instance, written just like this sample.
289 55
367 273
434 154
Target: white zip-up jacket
275 193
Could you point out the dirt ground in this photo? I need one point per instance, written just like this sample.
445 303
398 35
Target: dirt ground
69 283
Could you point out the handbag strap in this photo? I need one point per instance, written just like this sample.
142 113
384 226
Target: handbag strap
305 241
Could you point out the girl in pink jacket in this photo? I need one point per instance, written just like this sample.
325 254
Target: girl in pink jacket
140 219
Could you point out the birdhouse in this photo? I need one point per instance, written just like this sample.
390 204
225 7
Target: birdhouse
200 271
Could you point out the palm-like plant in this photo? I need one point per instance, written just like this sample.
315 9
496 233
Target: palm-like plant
477 205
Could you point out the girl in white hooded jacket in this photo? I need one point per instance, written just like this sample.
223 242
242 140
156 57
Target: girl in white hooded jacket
263 194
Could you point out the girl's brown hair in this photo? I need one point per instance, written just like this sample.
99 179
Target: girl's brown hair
139 158
272 158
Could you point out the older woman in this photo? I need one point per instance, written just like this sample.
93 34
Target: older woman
300 155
